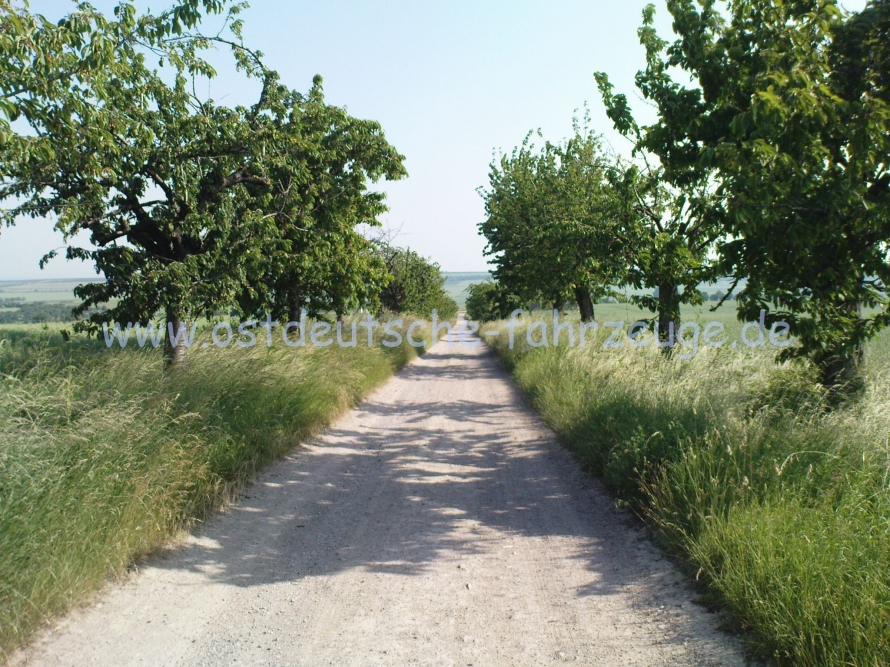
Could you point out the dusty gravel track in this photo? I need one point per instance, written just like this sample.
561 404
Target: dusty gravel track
437 524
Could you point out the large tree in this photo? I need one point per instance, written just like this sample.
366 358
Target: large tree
551 224
666 195
193 207
805 164
183 199
789 108
169 189
665 243
319 260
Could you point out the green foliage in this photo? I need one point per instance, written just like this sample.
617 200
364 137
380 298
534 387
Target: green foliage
415 284
776 504
318 260
73 63
488 301
19 310
193 207
103 457
667 196
666 242
550 224
789 110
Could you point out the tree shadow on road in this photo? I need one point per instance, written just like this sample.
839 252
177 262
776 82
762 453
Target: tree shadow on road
430 474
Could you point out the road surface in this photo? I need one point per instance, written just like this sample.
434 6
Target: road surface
439 523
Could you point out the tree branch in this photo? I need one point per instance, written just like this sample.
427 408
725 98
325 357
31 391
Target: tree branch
241 176
161 183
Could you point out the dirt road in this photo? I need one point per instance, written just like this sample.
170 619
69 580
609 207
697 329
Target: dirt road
437 524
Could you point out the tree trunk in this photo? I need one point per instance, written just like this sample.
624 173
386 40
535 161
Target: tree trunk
295 305
175 355
840 369
295 312
668 313
585 303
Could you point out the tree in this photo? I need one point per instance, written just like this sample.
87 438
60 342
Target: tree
319 261
811 154
488 301
580 236
199 193
790 111
179 180
550 224
82 89
513 209
415 283
667 194
665 244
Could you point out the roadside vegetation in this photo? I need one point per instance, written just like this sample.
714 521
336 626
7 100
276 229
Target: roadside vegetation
767 164
104 456
776 502
193 211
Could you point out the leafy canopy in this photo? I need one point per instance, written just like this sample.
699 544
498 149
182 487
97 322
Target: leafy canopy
789 113
550 221
193 207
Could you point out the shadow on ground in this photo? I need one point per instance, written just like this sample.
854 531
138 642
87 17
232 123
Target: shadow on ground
428 469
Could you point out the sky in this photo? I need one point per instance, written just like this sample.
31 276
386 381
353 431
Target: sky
452 83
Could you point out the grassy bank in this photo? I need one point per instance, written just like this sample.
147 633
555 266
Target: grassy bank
779 506
104 456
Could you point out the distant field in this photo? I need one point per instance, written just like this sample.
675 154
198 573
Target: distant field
49 291
457 283
62 291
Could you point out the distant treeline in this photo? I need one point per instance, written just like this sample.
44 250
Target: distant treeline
18 310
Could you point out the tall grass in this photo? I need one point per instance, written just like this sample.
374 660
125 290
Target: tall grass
104 455
779 504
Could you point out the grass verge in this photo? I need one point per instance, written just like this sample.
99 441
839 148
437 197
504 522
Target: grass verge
104 456
779 506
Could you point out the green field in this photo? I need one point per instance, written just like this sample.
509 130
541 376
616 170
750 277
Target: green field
48 291
456 284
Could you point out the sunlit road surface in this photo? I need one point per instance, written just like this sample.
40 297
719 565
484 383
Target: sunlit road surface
437 524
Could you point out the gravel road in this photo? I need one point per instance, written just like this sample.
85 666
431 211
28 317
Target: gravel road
437 524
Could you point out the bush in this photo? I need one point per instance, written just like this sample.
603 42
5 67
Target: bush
416 285
488 301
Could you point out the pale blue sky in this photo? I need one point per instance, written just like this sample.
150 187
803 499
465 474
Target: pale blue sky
450 82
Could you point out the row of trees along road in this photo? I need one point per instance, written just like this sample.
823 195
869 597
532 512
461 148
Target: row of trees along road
771 167
191 207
